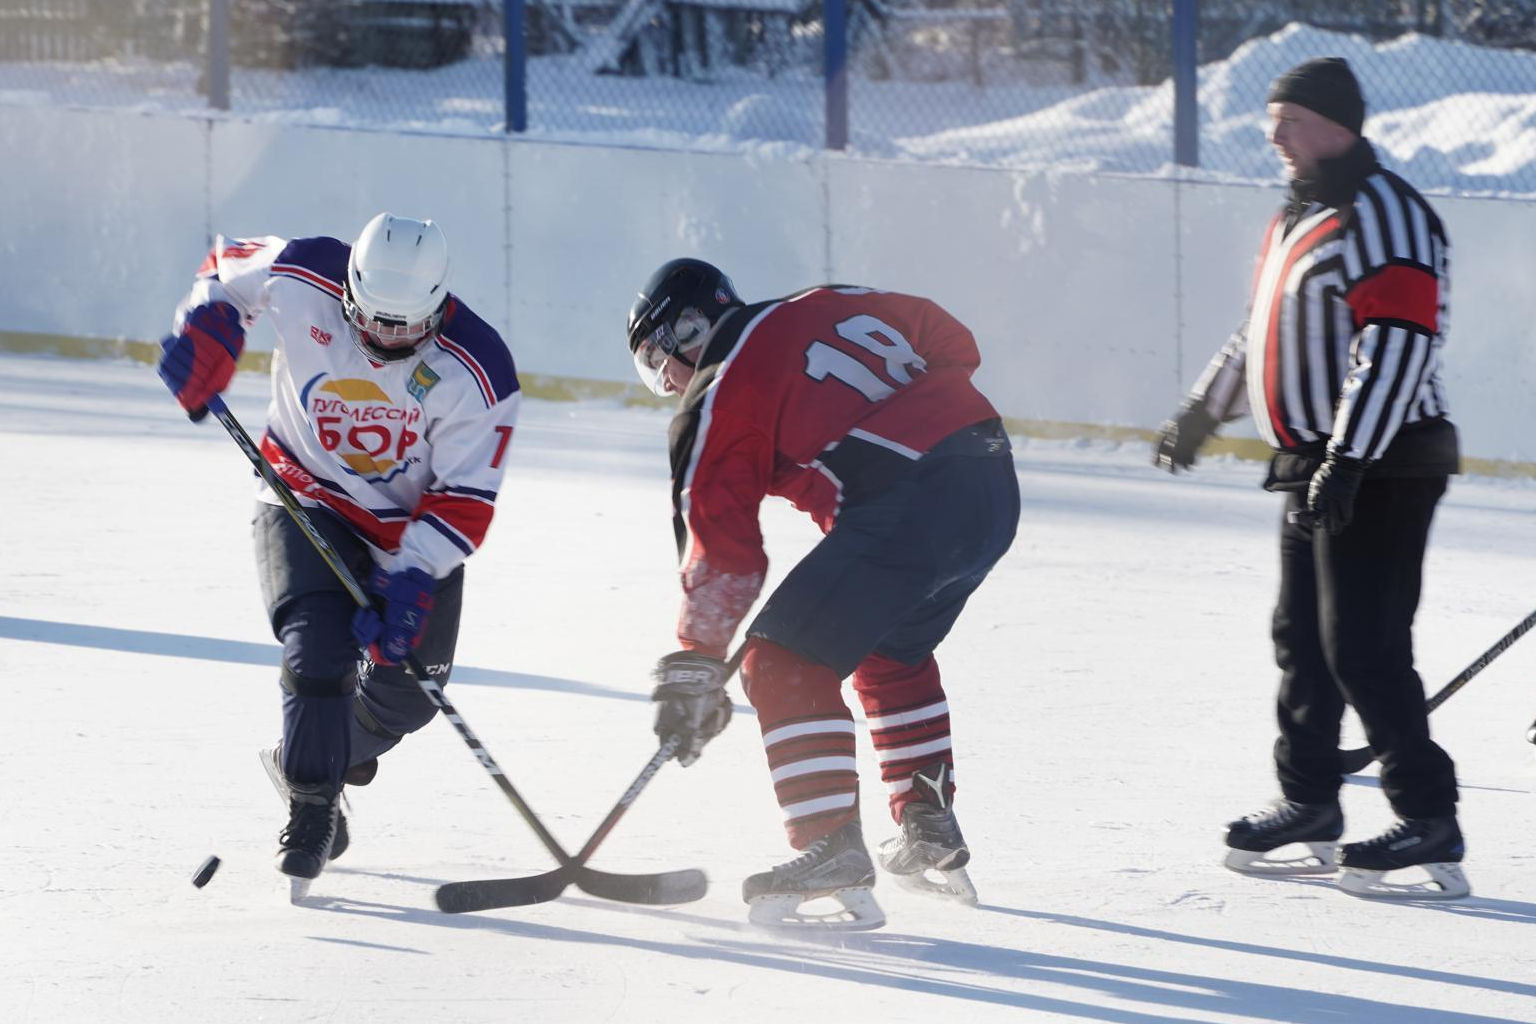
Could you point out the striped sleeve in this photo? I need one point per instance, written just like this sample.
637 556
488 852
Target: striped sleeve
1220 388
1394 261
469 458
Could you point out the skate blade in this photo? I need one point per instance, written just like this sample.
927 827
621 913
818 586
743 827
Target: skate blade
954 885
268 759
856 911
298 890
1446 882
1321 858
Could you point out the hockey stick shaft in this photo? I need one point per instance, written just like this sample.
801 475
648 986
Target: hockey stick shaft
429 686
1362 756
489 894
662 756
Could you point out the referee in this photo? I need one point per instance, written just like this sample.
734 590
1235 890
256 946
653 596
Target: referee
1339 364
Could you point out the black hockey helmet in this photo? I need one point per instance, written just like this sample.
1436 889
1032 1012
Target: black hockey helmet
675 309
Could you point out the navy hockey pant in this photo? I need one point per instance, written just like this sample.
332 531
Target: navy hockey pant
1343 631
896 569
340 709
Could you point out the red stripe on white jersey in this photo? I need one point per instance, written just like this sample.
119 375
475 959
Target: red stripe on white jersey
305 274
471 517
382 534
473 365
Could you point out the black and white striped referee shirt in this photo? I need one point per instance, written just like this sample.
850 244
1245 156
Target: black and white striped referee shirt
1347 319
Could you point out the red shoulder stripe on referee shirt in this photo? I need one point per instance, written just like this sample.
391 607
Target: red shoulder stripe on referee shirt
1397 292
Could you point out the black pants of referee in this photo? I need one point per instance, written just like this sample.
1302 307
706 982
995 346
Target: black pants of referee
1343 631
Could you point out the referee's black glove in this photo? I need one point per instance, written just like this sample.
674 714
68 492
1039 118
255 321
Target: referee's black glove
1181 438
1331 494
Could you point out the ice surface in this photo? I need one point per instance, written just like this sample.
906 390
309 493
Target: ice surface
1110 688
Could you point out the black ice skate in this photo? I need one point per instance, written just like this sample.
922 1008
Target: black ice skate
835 866
1433 844
357 775
306 843
930 855
1253 840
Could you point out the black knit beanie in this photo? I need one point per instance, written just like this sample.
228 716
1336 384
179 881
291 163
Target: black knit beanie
1326 86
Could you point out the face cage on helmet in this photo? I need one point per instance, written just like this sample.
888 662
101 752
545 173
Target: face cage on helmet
385 338
665 343
651 357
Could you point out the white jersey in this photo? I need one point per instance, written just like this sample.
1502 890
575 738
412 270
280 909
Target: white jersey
410 454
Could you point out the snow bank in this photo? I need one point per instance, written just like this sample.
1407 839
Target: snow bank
1451 116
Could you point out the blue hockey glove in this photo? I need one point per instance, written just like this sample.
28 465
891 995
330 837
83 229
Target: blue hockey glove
693 705
393 627
198 363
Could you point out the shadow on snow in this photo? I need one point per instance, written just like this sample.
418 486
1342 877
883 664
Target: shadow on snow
960 969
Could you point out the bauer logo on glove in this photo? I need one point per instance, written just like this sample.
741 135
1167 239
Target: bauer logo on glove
691 702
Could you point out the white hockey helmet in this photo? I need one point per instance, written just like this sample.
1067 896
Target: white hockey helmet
396 288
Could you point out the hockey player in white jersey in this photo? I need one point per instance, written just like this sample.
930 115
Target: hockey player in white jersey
392 408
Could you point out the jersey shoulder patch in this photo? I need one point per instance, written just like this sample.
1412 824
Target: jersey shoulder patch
320 263
477 346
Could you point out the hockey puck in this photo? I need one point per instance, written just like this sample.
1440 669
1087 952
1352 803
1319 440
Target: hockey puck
205 872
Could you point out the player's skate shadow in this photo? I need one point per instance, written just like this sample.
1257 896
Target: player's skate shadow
1018 978
1474 906
390 876
1481 906
241 652
1373 781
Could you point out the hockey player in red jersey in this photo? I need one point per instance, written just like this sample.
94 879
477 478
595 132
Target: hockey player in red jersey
392 406
856 405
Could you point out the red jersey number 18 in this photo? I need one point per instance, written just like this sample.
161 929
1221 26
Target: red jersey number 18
876 337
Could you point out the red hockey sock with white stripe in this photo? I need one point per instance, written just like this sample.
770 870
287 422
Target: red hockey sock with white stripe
808 736
908 720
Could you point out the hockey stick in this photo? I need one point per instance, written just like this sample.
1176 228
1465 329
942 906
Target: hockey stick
625 888
494 893
1356 759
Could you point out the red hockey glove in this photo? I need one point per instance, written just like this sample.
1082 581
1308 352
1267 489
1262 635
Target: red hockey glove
198 363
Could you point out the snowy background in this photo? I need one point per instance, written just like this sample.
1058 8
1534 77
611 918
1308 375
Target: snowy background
1449 115
1111 693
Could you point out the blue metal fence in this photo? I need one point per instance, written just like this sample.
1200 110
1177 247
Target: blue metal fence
1136 86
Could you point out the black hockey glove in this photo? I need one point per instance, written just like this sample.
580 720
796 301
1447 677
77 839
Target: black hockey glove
693 706
1182 437
1331 494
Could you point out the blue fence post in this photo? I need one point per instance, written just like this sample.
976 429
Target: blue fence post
834 16
516 65
218 54
1186 62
